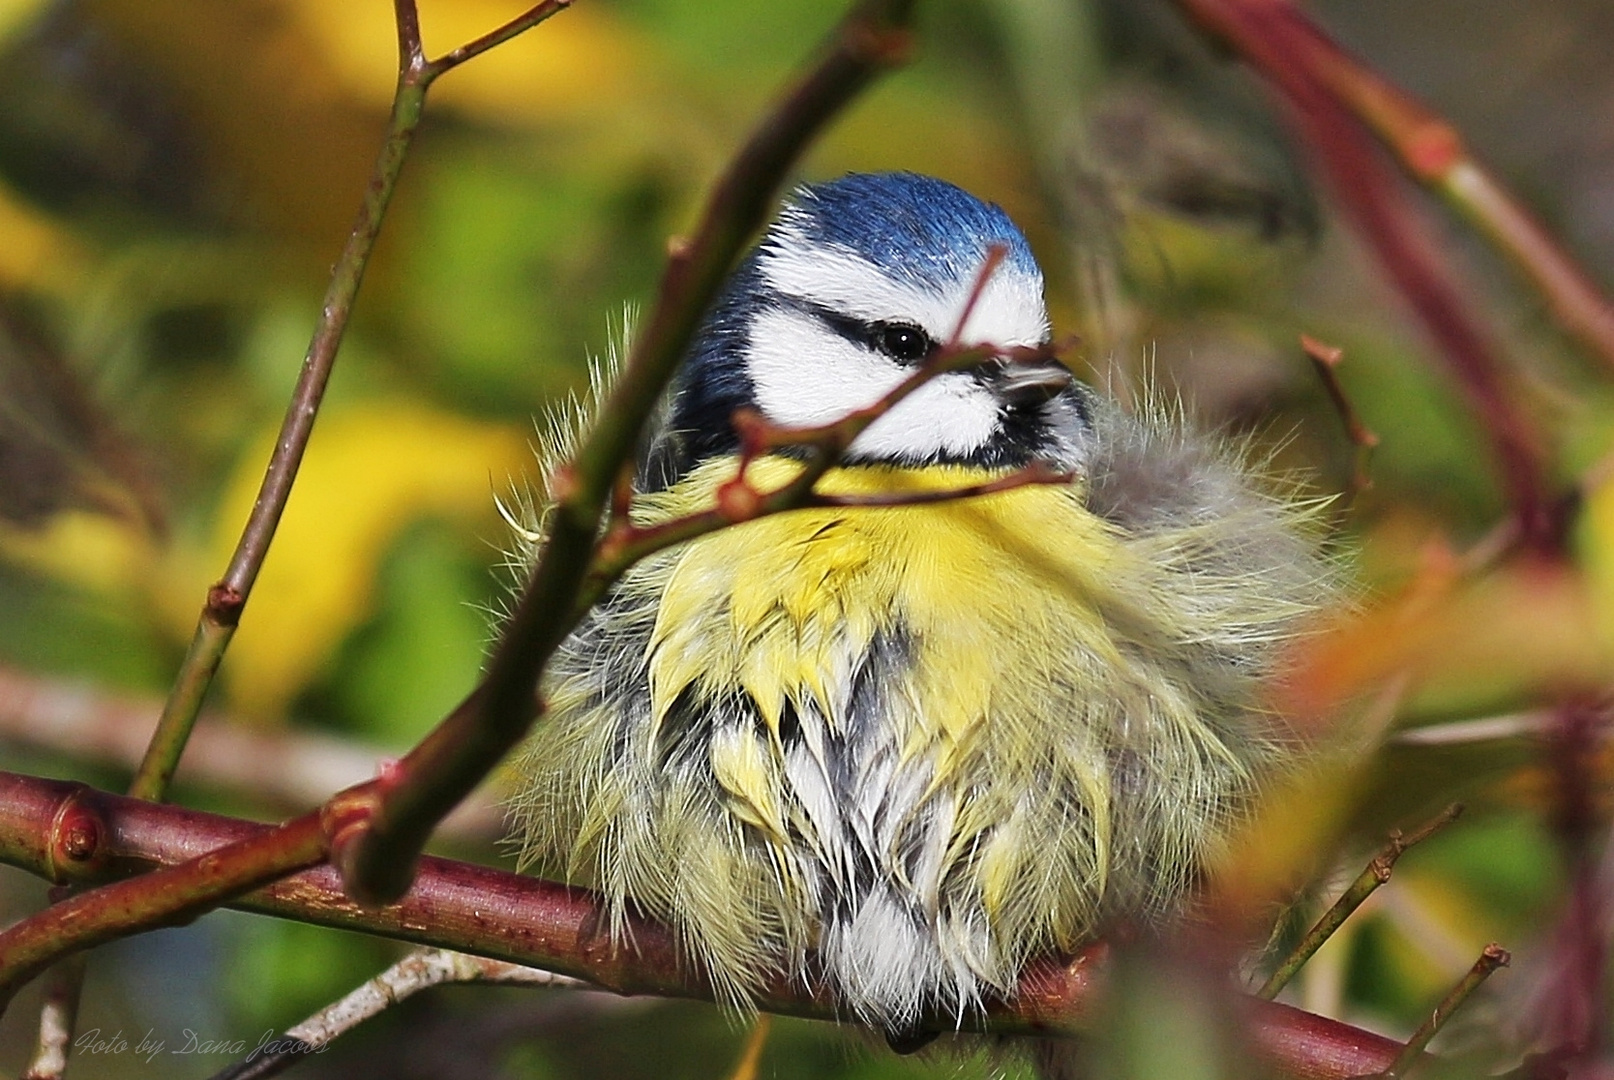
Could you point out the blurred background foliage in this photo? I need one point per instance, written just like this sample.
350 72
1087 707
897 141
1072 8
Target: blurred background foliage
177 175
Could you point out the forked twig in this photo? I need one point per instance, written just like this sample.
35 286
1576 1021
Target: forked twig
1325 360
421 970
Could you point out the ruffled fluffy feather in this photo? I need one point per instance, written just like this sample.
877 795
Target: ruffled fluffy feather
908 749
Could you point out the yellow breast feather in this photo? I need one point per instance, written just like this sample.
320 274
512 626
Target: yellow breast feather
943 714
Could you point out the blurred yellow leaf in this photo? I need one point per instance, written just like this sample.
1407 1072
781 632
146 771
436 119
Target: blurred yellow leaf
1597 536
284 141
582 60
34 248
370 471
14 12
107 555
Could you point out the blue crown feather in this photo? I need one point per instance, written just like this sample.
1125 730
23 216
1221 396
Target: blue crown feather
921 230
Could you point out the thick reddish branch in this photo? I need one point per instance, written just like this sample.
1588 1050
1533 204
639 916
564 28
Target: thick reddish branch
77 836
1434 153
1282 45
70 833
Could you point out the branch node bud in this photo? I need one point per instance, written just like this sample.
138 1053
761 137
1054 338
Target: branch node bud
738 501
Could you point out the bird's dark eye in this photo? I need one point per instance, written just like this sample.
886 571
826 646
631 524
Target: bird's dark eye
902 342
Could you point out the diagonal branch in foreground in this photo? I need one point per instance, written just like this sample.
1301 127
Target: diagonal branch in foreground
172 895
541 924
378 860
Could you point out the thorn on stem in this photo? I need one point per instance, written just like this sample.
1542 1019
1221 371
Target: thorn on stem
879 46
738 501
224 604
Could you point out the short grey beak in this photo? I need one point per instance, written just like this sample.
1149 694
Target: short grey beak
1025 385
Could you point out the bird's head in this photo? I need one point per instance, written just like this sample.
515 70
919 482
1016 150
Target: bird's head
853 285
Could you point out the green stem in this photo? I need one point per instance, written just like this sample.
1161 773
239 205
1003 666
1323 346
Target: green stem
1492 958
226 599
1376 873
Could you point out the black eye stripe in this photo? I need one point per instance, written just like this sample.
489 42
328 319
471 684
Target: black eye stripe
904 342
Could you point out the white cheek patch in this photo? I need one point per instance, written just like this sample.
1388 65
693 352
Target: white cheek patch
805 374
1009 312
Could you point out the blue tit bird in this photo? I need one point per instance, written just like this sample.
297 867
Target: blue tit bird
900 751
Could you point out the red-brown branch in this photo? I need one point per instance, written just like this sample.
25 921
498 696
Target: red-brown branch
1435 154
1325 361
1279 43
173 894
542 924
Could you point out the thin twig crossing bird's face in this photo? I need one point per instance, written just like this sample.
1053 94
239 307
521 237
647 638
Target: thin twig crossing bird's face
902 748
848 291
